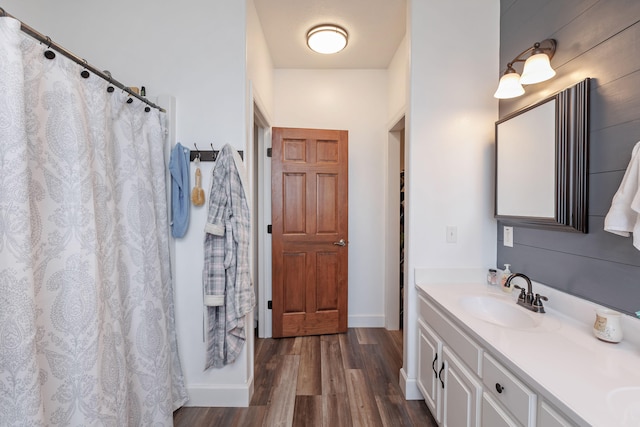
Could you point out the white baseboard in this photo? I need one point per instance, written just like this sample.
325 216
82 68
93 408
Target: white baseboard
220 395
409 387
363 321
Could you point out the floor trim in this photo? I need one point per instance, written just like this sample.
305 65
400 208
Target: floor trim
220 395
366 321
409 387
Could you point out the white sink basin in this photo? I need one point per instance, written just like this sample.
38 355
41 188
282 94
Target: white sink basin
501 312
624 404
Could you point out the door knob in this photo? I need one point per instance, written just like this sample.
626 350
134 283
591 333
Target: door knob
341 242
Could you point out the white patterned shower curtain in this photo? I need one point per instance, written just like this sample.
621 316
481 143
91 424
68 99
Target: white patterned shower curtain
86 299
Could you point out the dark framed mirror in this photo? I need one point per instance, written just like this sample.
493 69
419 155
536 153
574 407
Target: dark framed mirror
541 161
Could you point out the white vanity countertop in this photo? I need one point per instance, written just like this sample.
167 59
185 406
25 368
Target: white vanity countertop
598 381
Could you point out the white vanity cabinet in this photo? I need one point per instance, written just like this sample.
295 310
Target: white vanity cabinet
448 368
464 385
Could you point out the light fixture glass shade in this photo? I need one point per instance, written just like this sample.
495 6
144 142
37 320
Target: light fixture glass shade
327 39
509 86
537 69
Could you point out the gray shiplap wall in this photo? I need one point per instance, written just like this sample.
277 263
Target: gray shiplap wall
598 39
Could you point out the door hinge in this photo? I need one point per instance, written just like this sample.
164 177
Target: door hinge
269 229
270 305
269 153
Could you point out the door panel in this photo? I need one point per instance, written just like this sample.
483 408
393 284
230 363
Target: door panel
309 208
293 298
326 280
327 200
294 215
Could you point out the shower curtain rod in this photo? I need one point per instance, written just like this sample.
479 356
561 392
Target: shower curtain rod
106 75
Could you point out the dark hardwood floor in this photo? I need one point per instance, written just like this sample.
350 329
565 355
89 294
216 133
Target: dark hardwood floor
331 380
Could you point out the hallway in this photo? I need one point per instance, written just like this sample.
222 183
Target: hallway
332 380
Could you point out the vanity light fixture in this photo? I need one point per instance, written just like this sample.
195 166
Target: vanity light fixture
327 38
537 68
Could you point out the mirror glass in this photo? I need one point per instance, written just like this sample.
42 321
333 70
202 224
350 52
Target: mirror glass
541 162
527 163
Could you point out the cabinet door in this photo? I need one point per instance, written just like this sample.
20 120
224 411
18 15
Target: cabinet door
429 362
461 395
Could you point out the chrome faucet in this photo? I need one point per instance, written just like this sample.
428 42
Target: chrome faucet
526 298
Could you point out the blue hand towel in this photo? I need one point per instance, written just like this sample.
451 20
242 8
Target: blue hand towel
179 168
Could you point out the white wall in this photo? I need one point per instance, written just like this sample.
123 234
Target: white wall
260 75
195 51
259 63
397 79
450 118
398 74
354 100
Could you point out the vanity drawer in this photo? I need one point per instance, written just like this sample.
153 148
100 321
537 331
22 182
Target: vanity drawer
549 417
509 391
463 346
493 415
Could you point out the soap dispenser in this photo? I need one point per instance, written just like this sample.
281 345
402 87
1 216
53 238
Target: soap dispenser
506 273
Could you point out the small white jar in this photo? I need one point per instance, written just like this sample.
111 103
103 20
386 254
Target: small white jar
607 326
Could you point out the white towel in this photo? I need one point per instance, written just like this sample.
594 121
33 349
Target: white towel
624 215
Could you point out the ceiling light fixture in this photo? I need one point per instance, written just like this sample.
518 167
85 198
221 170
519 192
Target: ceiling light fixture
327 38
537 68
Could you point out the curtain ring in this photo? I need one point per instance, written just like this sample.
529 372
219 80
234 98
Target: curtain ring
49 54
110 88
126 90
85 74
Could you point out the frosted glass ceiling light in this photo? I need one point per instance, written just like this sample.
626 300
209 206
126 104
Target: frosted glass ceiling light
537 68
327 39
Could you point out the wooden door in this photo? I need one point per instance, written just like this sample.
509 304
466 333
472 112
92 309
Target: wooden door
309 210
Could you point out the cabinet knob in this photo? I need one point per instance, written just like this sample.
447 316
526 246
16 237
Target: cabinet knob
499 388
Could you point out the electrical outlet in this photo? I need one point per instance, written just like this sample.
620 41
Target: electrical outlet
452 234
508 237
